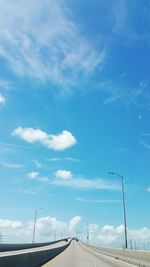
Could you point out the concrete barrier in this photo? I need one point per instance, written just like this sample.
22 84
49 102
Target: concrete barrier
12 247
137 257
31 259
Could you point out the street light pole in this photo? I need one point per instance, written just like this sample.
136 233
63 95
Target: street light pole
124 209
35 216
87 235
34 227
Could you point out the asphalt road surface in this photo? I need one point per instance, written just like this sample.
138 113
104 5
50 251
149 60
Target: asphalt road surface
79 255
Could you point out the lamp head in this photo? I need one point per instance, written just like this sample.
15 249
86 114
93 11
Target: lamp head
111 173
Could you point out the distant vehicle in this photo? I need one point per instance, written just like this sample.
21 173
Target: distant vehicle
74 238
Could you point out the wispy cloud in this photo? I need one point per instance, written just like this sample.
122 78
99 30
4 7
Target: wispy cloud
80 199
37 163
4 84
113 99
66 178
115 92
45 179
121 17
122 150
42 41
77 182
11 165
140 95
144 144
28 192
144 140
126 24
61 141
64 159
9 145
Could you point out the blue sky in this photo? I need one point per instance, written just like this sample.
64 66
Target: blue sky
75 104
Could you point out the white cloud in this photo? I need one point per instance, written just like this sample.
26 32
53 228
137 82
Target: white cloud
42 41
109 235
61 141
47 228
63 174
29 134
66 178
2 99
73 224
140 235
33 175
36 175
81 182
7 224
148 189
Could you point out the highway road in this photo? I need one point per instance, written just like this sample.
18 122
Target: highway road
80 255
